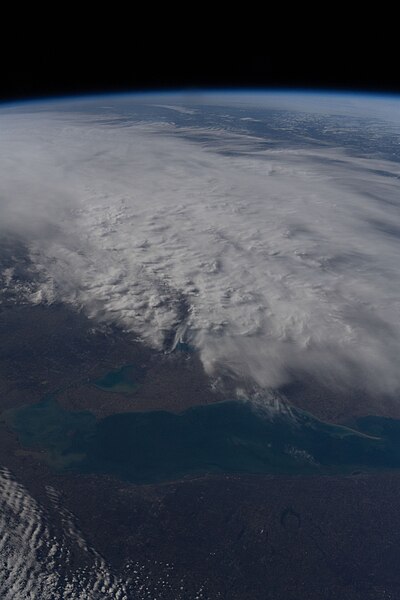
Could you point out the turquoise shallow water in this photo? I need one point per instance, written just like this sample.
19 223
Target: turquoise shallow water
230 436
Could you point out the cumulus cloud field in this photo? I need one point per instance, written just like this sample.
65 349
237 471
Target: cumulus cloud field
275 260
39 560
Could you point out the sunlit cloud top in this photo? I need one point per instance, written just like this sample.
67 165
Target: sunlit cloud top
273 249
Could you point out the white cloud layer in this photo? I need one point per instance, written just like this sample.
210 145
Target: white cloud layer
276 262
38 563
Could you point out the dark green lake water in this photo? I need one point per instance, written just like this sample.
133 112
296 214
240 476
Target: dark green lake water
123 381
225 437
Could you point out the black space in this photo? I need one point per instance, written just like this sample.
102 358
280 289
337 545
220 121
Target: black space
67 56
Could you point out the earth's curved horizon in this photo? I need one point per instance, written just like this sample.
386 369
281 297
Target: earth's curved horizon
199 289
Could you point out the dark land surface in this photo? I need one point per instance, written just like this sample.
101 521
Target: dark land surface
224 536
235 537
48 349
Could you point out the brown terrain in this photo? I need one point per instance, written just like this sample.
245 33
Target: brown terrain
49 349
235 537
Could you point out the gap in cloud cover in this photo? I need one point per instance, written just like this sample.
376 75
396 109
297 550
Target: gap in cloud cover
275 256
